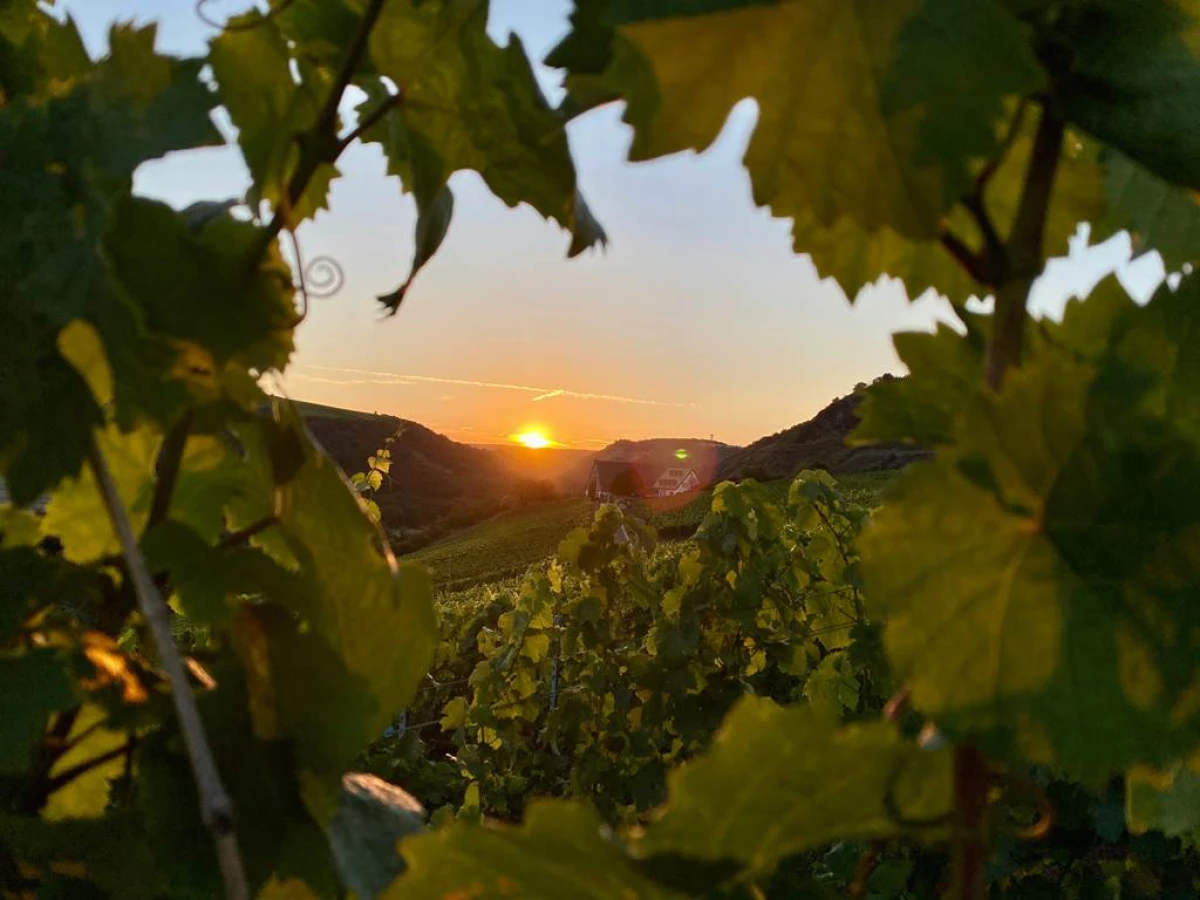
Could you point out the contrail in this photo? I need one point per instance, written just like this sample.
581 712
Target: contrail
543 393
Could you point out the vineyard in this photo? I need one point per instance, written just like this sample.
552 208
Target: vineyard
979 680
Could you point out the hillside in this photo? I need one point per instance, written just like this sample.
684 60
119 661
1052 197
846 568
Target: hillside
560 466
432 477
818 443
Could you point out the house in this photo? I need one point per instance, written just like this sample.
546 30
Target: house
612 480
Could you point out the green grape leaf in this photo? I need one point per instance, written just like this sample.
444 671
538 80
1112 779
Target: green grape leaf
1134 81
33 686
832 687
814 70
87 797
559 851
1033 582
484 112
856 259
779 780
958 61
1162 340
372 817
433 221
18 527
375 618
320 29
111 853
252 66
1158 215
1166 801
207 577
945 369
195 287
77 514
80 146
280 842
153 104
301 689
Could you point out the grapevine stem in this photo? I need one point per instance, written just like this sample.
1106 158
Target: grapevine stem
1025 250
170 458
216 809
970 846
320 145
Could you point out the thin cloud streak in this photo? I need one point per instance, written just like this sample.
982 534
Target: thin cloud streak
320 380
543 393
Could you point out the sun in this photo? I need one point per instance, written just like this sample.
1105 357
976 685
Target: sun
534 440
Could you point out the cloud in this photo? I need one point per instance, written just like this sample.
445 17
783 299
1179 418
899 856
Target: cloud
316 378
542 393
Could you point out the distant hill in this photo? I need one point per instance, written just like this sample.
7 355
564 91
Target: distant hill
432 476
818 443
557 465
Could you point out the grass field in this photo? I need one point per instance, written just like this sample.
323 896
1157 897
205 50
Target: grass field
504 546
507 545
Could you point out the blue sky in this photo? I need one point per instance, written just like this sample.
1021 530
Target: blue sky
698 306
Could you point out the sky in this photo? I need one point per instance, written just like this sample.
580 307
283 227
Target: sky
698 319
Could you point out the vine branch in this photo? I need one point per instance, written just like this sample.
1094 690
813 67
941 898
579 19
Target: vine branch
65 777
321 144
1025 248
216 809
241 537
370 120
170 459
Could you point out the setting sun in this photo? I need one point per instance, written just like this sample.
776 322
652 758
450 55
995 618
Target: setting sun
534 440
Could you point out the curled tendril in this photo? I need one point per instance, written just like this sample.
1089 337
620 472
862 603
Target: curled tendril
325 277
1045 820
892 808
241 26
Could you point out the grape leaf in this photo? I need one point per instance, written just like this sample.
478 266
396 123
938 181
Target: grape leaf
77 514
33 685
814 69
779 780
945 369
1161 340
372 816
882 207
87 796
1134 81
206 577
433 221
110 853
376 618
195 287
559 851
1158 215
484 111
1034 581
278 838
1168 801
74 150
252 66
958 61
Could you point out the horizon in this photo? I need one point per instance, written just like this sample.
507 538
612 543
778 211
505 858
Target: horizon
621 344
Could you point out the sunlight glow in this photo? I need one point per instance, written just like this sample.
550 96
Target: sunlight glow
534 440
